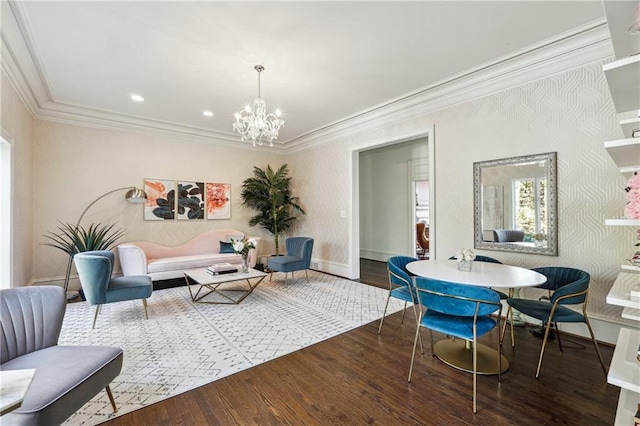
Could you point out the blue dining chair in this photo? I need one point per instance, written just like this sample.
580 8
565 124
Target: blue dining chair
401 287
566 286
461 311
95 269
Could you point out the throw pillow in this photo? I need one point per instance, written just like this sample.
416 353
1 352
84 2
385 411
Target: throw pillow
226 247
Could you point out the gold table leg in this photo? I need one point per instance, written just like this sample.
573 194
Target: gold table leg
458 353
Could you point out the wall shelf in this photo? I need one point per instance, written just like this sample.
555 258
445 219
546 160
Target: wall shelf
624 152
625 368
629 125
619 16
622 222
623 78
620 291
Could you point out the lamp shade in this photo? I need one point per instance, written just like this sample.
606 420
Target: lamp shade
136 195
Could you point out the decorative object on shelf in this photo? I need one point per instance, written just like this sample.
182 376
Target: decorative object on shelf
74 239
635 259
254 123
465 259
632 209
634 29
242 247
270 194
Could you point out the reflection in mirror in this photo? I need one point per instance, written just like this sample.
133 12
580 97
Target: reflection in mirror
515 204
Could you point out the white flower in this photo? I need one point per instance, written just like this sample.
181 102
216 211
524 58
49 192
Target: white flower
238 246
465 254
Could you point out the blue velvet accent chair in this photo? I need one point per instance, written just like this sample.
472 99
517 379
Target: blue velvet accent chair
461 311
66 377
566 286
95 269
401 286
298 257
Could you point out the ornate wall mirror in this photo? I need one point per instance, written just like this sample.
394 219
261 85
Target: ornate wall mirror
515 202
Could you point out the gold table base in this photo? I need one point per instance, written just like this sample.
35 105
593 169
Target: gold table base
458 353
225 293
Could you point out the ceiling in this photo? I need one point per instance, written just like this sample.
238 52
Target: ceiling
325 61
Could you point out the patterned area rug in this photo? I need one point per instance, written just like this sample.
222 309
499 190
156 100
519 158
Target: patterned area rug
184 345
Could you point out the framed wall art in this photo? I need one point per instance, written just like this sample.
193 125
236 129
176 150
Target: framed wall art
190 200
218 198
161 199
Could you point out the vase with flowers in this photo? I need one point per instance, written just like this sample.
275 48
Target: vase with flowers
243 247
465 259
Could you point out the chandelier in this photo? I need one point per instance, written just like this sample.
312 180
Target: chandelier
254 123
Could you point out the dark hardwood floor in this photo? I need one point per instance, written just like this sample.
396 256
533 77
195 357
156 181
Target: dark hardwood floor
360 377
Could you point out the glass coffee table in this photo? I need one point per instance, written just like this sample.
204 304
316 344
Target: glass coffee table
220 288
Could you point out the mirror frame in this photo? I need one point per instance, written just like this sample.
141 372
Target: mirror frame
552 203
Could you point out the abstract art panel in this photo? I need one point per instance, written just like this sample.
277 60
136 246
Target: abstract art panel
190 200
161 199
218 200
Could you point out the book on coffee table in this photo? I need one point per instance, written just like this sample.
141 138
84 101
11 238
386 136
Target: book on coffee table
222 268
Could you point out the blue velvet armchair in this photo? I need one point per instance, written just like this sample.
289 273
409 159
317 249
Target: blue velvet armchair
95 269
298 257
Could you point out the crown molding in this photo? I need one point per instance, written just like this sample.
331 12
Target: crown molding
584 45
576 48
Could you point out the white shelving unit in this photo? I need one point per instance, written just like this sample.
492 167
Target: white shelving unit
623 79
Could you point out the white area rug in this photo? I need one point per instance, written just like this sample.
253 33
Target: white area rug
184 345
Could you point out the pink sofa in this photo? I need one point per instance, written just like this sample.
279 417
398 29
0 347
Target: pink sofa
162 262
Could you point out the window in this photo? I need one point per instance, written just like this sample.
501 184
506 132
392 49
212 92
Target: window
530 200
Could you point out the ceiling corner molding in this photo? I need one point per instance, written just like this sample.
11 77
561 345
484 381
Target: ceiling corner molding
582 46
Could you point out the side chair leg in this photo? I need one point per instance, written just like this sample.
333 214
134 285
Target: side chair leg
384 313
144 303
555 326
415 311
95 317
595 345
403 312
413 354
306 275
113 402
544 343
270 276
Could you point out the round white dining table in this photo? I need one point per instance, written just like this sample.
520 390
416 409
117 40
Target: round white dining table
458 353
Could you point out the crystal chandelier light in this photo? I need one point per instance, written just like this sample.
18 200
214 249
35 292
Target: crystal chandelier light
254 123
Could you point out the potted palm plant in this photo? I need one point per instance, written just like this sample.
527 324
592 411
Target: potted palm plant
269 193
74 239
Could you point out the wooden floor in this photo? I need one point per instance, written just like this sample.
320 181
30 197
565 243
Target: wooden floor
360 378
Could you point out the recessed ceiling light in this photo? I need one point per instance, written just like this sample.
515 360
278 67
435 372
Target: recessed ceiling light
207 113
137 98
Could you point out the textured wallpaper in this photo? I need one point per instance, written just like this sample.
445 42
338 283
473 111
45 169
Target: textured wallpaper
570 113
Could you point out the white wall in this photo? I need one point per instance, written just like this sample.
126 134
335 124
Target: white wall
386 221
17 128
73 165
